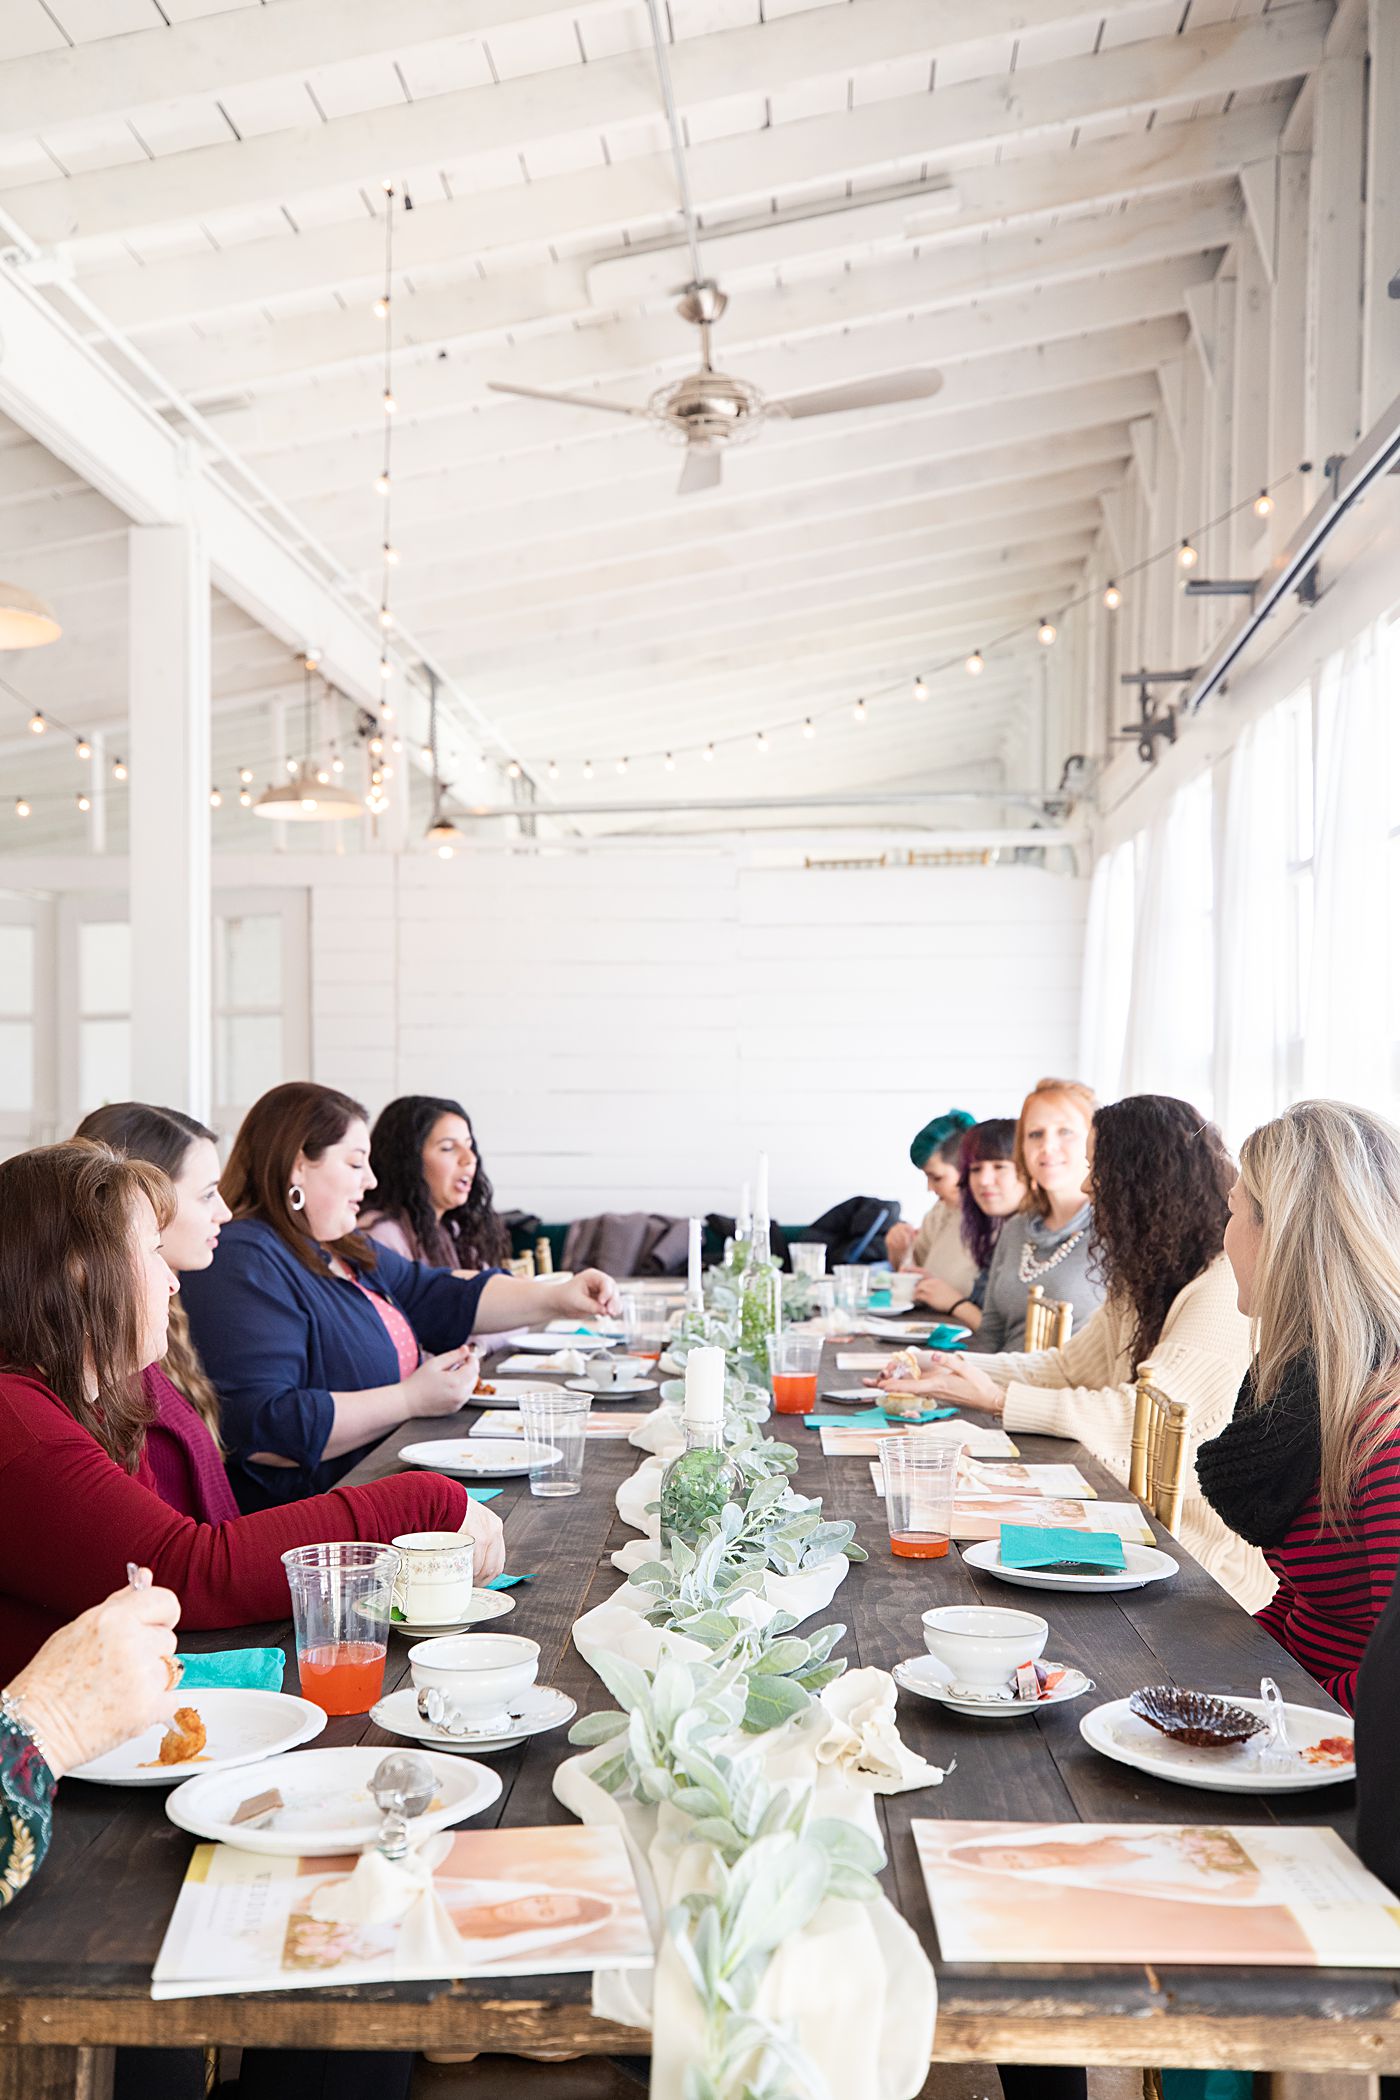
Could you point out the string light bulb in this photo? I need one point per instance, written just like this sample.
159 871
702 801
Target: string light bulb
337 764
386 711
376 746
1046 633
708 753
37 725
622 765
425 752
976 664
380 309
1112 596
245 776
84 803
216 800
82 749
920 688
860 711
21 807
386 618
670 761
386 669
1263 504
809 727
245 798
392 555
762 741
119 769
381 484
311 659
1186 556
391 406
513 770
588 769
552 769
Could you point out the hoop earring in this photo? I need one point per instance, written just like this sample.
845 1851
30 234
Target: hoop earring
296 1197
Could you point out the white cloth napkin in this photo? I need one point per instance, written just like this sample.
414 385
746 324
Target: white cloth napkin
659 1432
382 1891
643 1487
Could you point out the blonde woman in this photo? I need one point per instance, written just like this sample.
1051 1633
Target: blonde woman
1048 1241
1309 1468
1159 1179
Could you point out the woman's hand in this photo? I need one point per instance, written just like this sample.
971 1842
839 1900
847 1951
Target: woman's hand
489 1536
102 1678
955 1380
442 1384
939 1296
898 1241
590 1295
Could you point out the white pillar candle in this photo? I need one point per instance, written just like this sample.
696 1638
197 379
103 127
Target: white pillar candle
704 1385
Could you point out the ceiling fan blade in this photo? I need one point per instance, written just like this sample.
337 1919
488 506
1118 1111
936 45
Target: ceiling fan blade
864 393
535 393
702 470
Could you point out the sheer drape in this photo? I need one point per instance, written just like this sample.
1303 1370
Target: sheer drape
1171 1022
1108 970
1255 929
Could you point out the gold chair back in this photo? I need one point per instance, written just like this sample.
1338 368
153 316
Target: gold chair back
1157 1471
1048 1320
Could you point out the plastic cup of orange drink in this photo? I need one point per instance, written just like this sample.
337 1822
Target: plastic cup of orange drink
342 1595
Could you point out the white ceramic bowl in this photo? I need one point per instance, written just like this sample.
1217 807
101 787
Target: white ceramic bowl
982 1644
481 1673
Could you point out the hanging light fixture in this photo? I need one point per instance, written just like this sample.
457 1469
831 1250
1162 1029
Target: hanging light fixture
37 725
25 621
82 749
308 796
1263 504
920 688
1046 633
1186 555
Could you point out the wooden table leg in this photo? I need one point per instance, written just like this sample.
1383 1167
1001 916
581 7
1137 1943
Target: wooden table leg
55 2074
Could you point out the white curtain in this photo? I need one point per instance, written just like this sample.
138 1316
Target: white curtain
1171 1024
1347 1050
1257 925
1108 970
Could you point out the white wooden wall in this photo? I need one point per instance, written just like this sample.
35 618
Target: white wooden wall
629 1031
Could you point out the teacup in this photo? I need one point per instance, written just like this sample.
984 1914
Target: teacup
632 1370
479 1674
980 1645
902 1288
433 1586
601 1370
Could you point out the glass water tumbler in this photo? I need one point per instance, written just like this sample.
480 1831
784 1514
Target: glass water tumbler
556 1431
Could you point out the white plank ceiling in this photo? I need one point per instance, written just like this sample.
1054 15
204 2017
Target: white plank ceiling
1019 194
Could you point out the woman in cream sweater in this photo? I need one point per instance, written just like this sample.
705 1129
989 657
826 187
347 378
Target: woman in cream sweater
1159 1179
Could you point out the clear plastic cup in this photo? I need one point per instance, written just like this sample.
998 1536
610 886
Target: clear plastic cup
919 1476
808 1257
852 1286
555 1423
793 1363
341 1598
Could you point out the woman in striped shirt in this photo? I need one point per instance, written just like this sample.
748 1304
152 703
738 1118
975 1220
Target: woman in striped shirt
1309 1467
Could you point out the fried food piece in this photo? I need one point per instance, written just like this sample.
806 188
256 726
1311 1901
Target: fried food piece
184 1739
483 1390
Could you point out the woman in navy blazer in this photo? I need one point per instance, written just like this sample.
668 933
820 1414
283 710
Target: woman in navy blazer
314 1336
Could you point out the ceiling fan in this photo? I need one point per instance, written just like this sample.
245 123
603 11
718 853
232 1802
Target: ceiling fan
709 410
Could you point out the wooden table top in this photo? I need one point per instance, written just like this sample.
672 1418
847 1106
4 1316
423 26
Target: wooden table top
76 1950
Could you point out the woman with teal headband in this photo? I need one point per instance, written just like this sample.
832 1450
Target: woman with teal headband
936 1247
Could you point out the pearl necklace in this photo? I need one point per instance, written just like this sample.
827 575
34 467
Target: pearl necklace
1032 1266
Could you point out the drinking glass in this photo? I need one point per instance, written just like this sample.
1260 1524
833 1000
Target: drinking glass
808 1257
793 1361
341 1599
919 1475
556 1429
852 1286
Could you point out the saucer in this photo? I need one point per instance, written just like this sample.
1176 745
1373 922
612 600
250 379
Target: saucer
533 1713
486 1605
616 1391
916 1674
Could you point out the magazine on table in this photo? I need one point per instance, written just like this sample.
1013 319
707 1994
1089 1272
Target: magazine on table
523 1902
598 1422
851 1440
1285 1896
982 1517
1017 1479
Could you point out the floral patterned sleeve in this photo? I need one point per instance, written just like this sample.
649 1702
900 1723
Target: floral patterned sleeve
26 1809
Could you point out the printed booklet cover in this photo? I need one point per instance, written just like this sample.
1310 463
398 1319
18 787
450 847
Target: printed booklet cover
523 1902
505 1421
1291 1897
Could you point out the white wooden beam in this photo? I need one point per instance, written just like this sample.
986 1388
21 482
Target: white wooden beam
931 281
1336 255
202 181
1253 322
1381 320
447 237
1288 356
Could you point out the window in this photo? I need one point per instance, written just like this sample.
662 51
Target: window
104 1012
261 1022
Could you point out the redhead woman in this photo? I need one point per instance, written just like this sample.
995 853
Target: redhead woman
1047 1242
84 1305
990 1191
313 1335
183 1450
1308 1470
1158 1180
433 1200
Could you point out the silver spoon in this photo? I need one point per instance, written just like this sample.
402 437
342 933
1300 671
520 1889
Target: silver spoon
1276 1753
402 1784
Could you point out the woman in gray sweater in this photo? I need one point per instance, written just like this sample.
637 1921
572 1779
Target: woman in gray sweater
1047 1242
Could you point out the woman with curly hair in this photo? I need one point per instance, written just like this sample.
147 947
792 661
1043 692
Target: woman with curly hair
434 1201
1159 1183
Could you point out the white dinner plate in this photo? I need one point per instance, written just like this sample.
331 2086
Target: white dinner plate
328 1806
486 1605
636 1390
478 1457
242 1727
546 1344
507 1394
1118 1733
533 1713
1144 1564
919 1674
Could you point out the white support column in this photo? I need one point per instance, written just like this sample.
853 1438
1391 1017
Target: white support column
1288 438
1380 379
1335 254
97 793
1250 467
169 853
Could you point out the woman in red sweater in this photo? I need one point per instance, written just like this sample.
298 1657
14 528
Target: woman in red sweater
84 1306
1309 1468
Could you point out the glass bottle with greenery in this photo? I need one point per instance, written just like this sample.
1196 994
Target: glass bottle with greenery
760 1286
701 1479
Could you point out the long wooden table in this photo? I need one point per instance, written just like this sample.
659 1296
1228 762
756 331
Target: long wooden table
76 1950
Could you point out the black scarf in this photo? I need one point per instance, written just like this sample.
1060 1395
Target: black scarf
1258 1473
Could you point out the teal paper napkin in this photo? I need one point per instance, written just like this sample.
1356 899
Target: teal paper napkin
237 1669
945 1337
1055 1546
866 1417
507 1582
482 1494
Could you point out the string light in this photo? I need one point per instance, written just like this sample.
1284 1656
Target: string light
376 746
1112 596
386 711
82 749
809 727
84 803
670 761
37 725
311 659
588 769
337 764
381 484
245 776
386 670
976 664
1263 504
392 557
1045 633
119 769
1186 556
708 753
622 765
21 807
920 688
380 308
216 800
391 406
513 770
552 770
245 799
762 741
860 711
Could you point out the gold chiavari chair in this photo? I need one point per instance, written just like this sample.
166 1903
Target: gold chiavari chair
1048 1320
1157 1472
